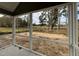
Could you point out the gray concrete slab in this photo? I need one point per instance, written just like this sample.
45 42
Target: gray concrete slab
15 51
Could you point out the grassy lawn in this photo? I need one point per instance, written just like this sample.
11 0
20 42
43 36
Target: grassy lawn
2 29
6 30
45 29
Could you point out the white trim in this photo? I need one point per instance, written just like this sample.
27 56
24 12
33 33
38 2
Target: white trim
14 30
75 40
70 31
30 31
75 28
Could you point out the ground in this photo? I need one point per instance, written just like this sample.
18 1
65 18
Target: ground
49 44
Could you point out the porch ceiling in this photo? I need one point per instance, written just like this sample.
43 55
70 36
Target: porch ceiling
16 8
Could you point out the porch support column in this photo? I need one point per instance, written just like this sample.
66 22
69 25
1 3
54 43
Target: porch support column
14 30
72 29
30 31
75 29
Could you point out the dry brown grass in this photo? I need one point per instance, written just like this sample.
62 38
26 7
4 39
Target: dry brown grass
49 44
44 41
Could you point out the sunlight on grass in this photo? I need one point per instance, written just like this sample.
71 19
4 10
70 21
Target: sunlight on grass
9 30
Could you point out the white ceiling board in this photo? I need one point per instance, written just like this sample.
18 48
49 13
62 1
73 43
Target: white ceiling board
10 6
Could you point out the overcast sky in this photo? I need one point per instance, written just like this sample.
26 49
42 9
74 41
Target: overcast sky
36 18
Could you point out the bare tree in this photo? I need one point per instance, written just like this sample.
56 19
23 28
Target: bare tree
51 15
42 18
52 18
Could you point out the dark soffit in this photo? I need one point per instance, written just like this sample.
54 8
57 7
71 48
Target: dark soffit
25 7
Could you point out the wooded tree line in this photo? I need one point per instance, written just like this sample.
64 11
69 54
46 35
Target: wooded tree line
7 22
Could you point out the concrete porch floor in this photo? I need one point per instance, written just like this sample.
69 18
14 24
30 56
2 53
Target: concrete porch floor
15 51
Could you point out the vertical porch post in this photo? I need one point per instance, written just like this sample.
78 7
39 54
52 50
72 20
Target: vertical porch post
75 29
30 31
14 30
72 29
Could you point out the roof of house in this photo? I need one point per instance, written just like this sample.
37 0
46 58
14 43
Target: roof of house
16 8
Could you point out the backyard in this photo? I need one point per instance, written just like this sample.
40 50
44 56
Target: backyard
49 34
51 43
